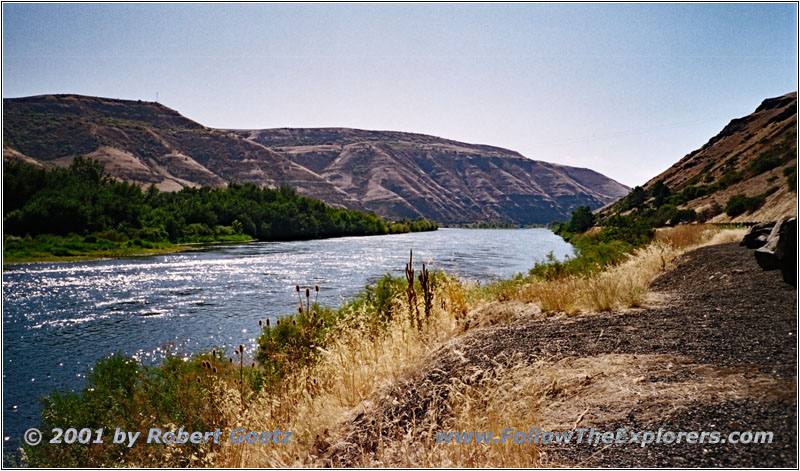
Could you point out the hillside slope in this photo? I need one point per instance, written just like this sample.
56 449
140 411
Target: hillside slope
754 156
391 173
408 175
146 143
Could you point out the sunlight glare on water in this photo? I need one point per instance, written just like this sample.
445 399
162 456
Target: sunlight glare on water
59 318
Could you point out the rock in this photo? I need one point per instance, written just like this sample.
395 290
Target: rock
789 261
780 251
757 236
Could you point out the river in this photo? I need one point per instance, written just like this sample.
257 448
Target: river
59 318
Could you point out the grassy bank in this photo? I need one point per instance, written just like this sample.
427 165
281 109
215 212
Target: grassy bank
318 369
53 248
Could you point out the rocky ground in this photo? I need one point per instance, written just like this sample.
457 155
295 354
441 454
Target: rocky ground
718 355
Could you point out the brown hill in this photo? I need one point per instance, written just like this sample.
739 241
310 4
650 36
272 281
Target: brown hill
408 175
394 174
754 156
146 143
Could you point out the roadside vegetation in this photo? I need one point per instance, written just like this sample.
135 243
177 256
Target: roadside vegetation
316 372
78 212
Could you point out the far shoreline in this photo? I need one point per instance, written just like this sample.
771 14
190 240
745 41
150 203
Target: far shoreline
175 248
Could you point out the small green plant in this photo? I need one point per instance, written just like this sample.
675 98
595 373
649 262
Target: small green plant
791 177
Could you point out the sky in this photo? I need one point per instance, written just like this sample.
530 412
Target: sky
624 89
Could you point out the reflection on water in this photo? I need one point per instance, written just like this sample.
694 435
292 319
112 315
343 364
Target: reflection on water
58 319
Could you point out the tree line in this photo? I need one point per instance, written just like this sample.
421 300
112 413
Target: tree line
81 199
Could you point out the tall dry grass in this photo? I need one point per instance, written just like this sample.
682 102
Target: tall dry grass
624 285
362 358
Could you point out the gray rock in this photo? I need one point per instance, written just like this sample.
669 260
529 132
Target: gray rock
789 260
757 235
780 250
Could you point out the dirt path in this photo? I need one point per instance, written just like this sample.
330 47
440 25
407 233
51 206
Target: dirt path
720 355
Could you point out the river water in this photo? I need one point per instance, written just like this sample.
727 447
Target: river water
59 318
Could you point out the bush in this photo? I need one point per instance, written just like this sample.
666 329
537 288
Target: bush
660 193
635 199
663 215
112 235
791 177
630 229
729 178
198 230
683 216
120 392
707 213
152 234
692 192
763 163
379 297
582 219
739 204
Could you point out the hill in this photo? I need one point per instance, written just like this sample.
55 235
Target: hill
148 143
746 173
391 173
407 175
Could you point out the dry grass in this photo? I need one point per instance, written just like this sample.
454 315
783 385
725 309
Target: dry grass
362 359
697 235
623 285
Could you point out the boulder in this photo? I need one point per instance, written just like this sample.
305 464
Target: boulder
757 235
780 250
789 260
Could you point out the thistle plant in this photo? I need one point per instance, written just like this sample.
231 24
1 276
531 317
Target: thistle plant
413 309
240 351
427 291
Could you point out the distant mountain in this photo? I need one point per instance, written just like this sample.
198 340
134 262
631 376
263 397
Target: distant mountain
407 175
754 156
391 173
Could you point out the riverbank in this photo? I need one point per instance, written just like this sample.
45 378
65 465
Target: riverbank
48 248
73 248
371 383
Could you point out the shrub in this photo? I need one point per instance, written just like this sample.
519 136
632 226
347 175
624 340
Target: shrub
729 178
692 192
152 234
379 297
709 212
112 235
763 163
739 204
676 200
629 229
198 230
634 199
582 220
791 177
683 216
660 193
120 392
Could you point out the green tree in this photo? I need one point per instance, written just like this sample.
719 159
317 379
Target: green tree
660 192
582 219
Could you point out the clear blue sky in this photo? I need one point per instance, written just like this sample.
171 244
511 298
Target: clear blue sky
625 89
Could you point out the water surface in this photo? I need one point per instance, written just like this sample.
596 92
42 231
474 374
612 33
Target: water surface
59 318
